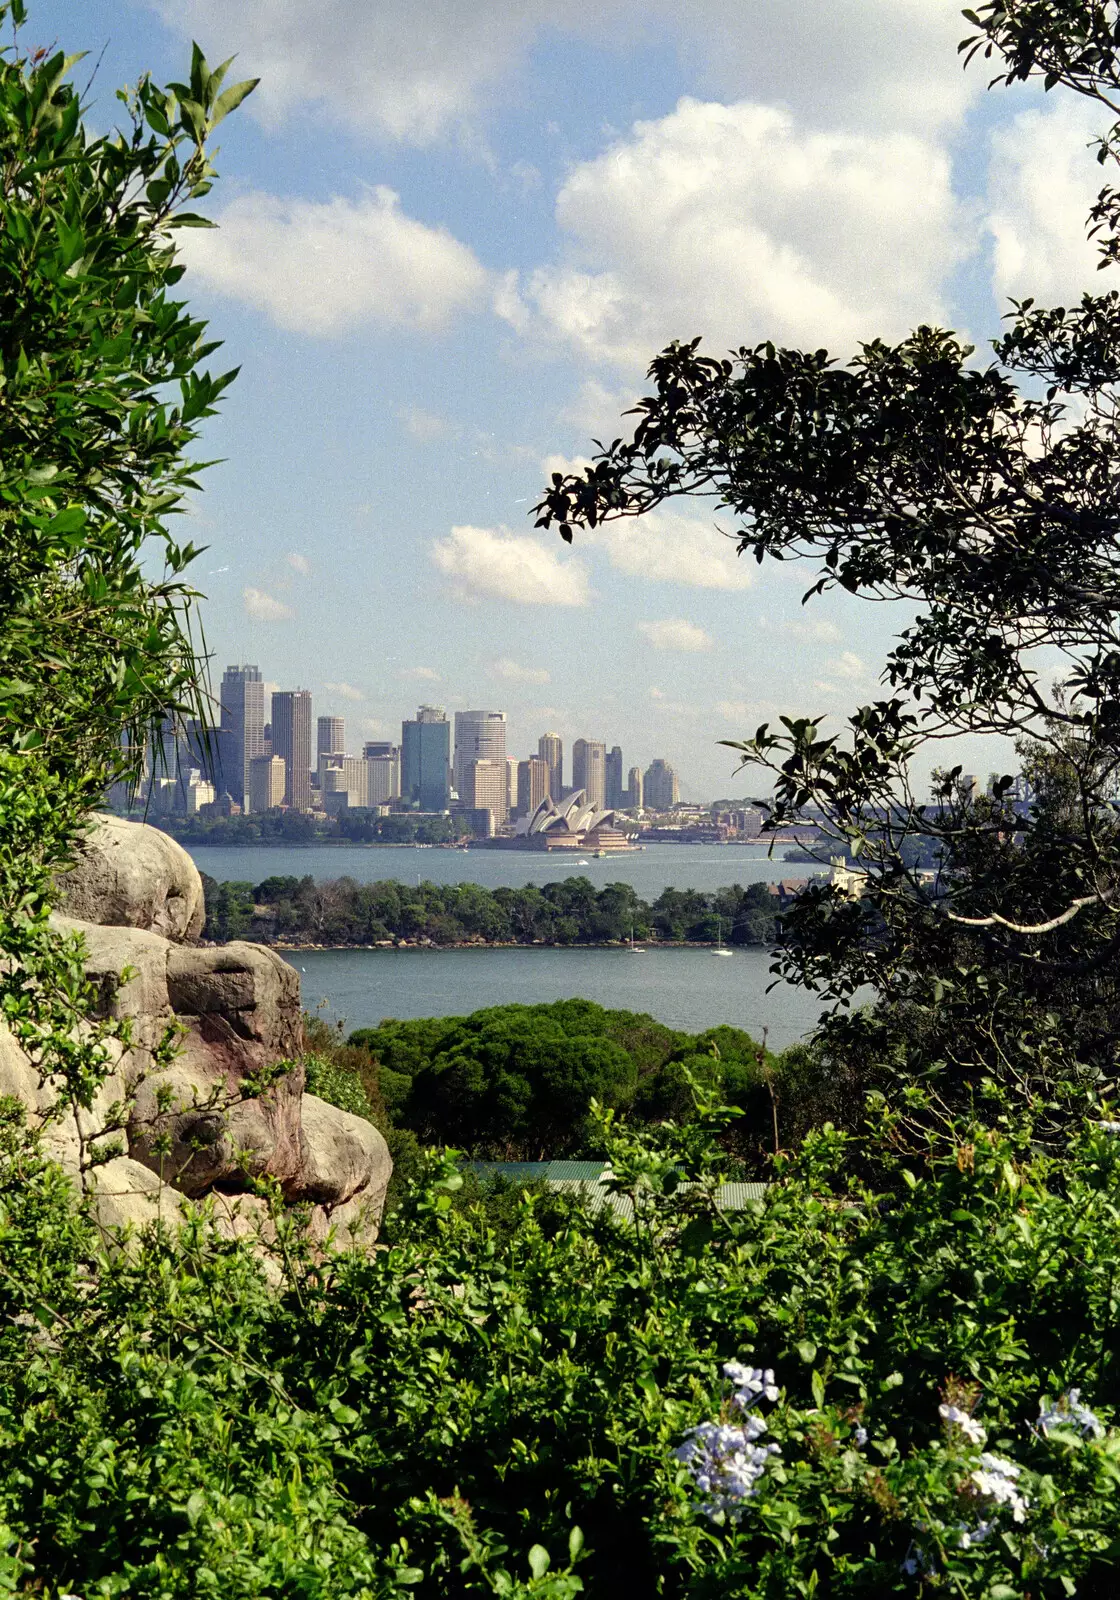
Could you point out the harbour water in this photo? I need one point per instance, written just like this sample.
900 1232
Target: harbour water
657 867
688 989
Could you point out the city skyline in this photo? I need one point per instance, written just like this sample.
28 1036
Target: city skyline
443 281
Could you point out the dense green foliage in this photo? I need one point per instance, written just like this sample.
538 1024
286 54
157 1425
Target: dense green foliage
296 827
514 1083
441 1417
571 911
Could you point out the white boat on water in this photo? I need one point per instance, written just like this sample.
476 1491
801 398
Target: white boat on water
720 949
635 949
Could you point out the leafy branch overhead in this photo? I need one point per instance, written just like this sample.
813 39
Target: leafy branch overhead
982 494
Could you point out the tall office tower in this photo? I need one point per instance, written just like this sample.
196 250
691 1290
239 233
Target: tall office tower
532 785
242 733
425 777
331 737
550 748
589 770
635 790
616 794
266 782
484 789
511 785
291 739
660 786
479 736
383 776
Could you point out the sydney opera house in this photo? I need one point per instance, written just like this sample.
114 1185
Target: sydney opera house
574 823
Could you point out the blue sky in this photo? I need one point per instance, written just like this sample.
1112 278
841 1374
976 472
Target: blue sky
451 239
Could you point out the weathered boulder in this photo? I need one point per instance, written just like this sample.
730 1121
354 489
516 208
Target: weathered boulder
229 1107
128 875
341 1155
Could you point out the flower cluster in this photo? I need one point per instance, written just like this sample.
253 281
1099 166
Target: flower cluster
750 1382
968 1425
725 1459
1068 1412
994 1479
1109 1127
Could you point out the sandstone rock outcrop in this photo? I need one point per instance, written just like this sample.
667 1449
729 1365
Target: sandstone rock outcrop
129 875
231 1105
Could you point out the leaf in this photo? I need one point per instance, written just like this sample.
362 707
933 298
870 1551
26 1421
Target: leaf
817 1386
807 1350
230 99
575 1544
539 1561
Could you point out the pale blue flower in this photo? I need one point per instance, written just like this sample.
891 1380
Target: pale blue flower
1068 1412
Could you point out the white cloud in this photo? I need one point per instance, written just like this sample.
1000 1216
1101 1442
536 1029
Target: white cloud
1043 181
675 633
345 691
264 607
374 66
816 631
738 222
847 665
670 548
326 267
425 425
420 674
299 563
735 710
509 566
372 726
513 672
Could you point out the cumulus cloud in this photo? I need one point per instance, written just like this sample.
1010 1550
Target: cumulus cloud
513 672
1044 180
735 710
420 674
739 222
299 563
367 64
497 564
345 691
264 607
817 630
847 665
670 548
324 267
675 633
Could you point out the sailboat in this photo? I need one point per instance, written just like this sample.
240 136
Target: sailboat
635 949
720 949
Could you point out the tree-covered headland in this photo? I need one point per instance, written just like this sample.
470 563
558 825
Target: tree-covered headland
292 911
899 1372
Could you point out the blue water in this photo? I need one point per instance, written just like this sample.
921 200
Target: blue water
657 867
688 989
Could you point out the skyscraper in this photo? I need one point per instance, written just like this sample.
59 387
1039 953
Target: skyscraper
426 760
291 739
331 737
662 790
485 788
635 790
616 794
241 738
479 736
589 769
266 782
532 784
550 748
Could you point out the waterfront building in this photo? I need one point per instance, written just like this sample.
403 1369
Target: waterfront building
291 739
532 785
660 786
425 772
267 778
479 736
589 770
635 790
484 788
550 748
330 737
343 783
241 738
616 793
199 792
